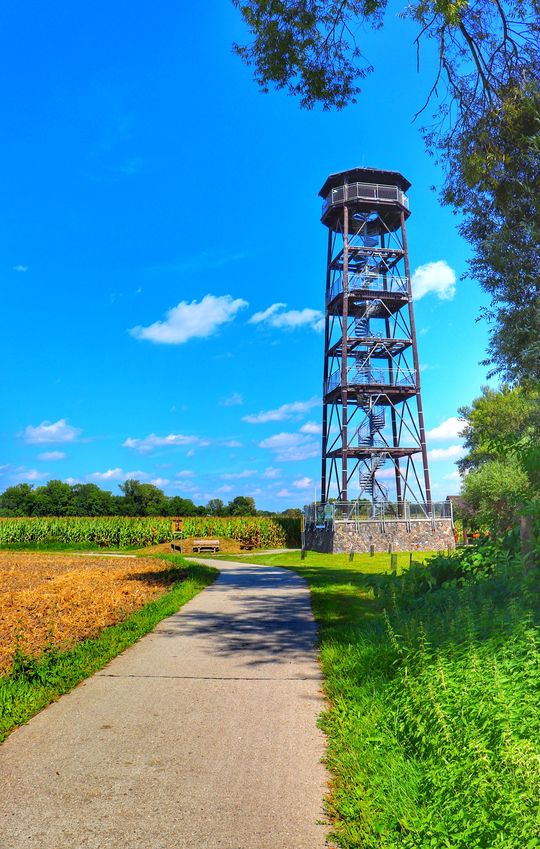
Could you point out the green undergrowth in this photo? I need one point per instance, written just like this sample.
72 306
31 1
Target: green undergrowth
433 683
35 682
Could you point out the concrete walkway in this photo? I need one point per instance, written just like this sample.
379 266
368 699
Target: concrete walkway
202 735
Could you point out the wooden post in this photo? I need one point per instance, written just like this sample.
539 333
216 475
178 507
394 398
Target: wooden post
527 542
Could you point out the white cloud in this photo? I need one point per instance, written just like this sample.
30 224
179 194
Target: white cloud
271 472
230 476
71 481
312 428
184 473
20 268
30 474
453 452
232 443
453 476
51 455
291 446
225 488
276 317
117 474
191 320
284 493
185 486
386 474
449 429
233 400
160 481
266 314
303 483
109 475
59 431
152 441
436 277
299 318
287 411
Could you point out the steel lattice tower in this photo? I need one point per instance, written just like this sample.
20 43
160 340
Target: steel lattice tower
373 426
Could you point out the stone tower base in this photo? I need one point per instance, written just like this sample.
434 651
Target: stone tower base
376 535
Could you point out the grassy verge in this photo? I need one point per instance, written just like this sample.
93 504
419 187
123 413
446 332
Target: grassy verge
433 723
65 547
35 682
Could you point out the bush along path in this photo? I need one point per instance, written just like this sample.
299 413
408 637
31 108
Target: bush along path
433 679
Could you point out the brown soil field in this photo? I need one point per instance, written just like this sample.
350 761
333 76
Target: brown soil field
57 599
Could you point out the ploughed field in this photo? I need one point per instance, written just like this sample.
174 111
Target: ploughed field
55 600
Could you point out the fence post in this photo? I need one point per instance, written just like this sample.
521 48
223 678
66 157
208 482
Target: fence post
527 542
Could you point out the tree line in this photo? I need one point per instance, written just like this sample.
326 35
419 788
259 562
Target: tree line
57 498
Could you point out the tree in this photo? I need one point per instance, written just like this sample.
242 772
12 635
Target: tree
292 513
178 506
496 492
494 179
53 499
17 500
89 500
310 47
143 499
500 424
501 469
215 507
486 129
242 505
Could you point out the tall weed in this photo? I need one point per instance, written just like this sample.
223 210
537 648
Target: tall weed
434 725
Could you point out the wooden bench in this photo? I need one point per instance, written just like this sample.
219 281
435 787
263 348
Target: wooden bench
205 545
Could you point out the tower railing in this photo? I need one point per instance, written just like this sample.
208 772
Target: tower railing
359 376
365 191
320 513
369 281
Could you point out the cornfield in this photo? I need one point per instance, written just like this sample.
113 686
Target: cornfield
126 532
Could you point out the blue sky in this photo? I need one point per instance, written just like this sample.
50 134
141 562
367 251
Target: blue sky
154 206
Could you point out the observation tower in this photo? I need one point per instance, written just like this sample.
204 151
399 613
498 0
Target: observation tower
374 456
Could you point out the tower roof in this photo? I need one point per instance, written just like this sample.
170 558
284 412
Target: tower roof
364 175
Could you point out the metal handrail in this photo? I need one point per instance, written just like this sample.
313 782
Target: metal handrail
358 511
372 282
359 376
365 191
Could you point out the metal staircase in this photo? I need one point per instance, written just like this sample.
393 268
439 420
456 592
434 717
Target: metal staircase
369 437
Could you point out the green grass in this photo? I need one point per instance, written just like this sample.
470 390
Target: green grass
35 682
433 724
53 546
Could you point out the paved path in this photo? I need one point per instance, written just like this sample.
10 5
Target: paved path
202 735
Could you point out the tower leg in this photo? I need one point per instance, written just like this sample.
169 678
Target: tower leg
344 380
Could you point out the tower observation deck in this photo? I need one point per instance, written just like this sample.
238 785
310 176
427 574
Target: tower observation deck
373 438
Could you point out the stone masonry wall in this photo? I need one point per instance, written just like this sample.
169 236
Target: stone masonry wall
388 536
